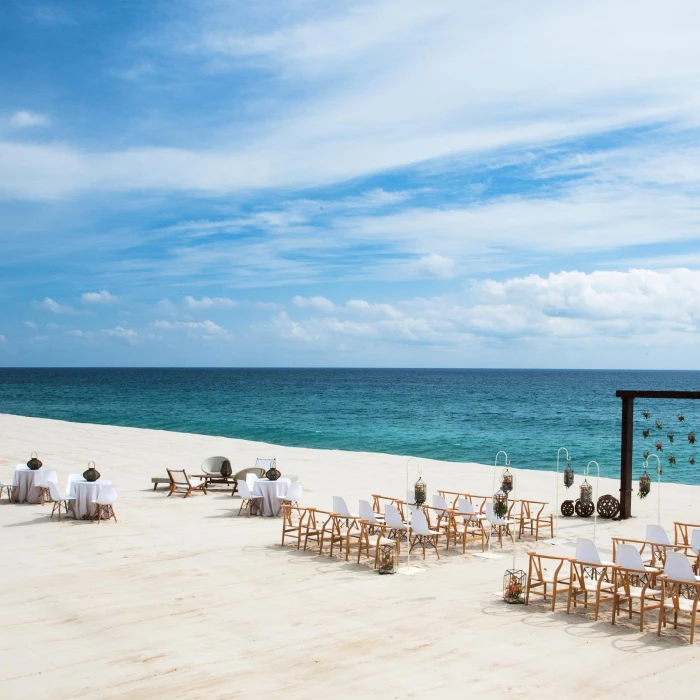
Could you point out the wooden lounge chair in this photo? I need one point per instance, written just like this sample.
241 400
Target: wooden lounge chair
533 517
179 481
548 570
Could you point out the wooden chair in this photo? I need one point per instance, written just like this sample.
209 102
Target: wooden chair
336 531
378 501
293 519
634 581
495 525
373 535
548 570
314 525
465 527
655 552
179 481
532 516
682 532
680 593
591 575
453 496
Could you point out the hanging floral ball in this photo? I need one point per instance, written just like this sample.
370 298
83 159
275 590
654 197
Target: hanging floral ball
670 436
646 415
645 454
659 447
691 438
645 433
681 417
691 459
659 425
672 460
644 485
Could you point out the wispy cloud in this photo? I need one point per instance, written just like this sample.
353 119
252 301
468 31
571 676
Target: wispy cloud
209 303
205 330
103 297
55 308
25 118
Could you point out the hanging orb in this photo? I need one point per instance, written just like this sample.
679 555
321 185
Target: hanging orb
659 425
691 438
507 482
419 491
681 417
567 508
646 415
672 460
645 433
670 436
568 476
659 446
644 485
586 492
691 459
500 504
645 454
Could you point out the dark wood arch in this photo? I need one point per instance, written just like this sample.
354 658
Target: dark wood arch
627 442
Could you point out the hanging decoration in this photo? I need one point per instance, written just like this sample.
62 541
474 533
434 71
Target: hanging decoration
659 425
568 476
646 415
671 437
586 492
691 438
681 417
672 460
507 482
691 459
645 433
645 454
500 504
659 446
419 491
644 485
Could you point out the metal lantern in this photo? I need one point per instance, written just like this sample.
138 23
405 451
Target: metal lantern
514 583
387 558
507 482
419 491
568 476
500 504
586 492
644 485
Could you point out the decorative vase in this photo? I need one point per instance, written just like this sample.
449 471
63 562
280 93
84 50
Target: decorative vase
91 474
34 463
226 470
273 473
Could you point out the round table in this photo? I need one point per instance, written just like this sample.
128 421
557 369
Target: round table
26 484
85 493
270 492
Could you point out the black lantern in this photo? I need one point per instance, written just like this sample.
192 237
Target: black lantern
514 582
586 492
386 558
644 485
568 476
507 482
500 504
34 463
419 492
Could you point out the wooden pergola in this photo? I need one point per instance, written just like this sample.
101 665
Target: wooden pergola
627 442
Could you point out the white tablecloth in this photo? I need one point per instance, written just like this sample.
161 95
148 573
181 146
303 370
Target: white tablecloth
26 483
271 492
85 493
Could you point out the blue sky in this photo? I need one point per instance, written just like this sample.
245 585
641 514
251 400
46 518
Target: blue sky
350 184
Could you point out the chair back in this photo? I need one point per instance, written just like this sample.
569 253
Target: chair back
49 475
587 552
266 463
678 568
250 479
465 507
339 506
628 557
695 541
419 523
656 534
244 491
392 517
366 513
440 503
212 465
107 494
295 491
178 477
53 490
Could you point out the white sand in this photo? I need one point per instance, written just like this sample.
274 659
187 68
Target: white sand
181 599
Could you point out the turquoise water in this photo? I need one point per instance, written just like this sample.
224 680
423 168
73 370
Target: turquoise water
455 415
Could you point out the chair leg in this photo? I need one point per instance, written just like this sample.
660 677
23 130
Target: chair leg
111 508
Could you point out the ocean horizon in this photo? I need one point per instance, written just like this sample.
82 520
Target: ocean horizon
463 415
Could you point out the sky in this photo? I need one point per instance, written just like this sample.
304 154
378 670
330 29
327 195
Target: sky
459 183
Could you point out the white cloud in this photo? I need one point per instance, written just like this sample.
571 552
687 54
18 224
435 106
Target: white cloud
30 324
209 303
103 297
167 307
55 308
3 339
204 330
364 308
319 303
76 333
435 265
127 334
24 118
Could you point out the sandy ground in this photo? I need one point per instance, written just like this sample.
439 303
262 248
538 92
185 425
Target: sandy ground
182 599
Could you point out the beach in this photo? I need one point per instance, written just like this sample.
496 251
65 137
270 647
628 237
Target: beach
183 599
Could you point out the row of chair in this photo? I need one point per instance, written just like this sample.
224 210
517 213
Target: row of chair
672 586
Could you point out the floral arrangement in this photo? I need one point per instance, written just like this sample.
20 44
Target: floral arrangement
500 505
681 417
659 425
507 483
645 433
672 460
659 446
670 436
386 560
513 588
646 415
691 438
645 454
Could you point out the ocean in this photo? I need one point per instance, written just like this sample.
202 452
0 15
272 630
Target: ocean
455 415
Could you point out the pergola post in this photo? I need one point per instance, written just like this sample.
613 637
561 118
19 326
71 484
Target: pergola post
626 452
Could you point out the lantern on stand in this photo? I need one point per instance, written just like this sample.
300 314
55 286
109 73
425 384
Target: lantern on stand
500 504
644 485
387 558
568 476
419 491
586 492
507 482
514 582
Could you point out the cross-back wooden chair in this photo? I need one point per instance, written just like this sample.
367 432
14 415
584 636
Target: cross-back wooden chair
465 528
533 517
338 530
591 576
634 582
680 594
374 536
293 518
548 570
652 553
179 481
682 532
452 496
379 501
